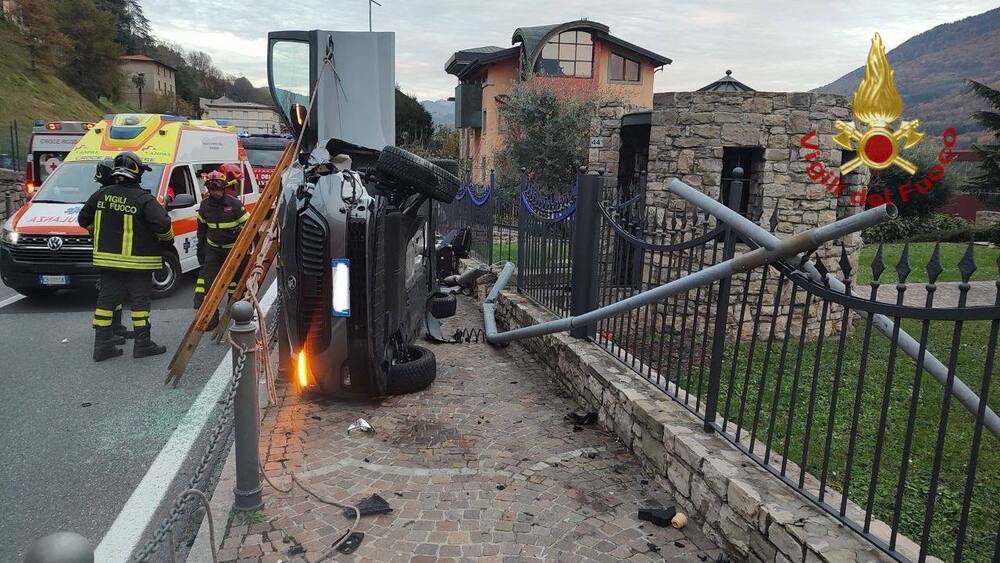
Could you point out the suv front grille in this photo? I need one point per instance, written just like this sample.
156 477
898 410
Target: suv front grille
35 248
357 254
314 281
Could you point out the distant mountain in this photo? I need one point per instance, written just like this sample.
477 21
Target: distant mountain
442 111
931 69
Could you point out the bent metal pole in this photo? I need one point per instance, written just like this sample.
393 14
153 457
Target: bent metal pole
781 248
884 324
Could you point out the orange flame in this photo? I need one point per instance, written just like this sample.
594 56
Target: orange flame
876 101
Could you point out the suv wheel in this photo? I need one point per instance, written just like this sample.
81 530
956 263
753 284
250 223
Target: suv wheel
443 305
407 169
415 370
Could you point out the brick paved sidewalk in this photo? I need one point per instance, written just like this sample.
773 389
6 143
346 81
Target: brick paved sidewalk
480 466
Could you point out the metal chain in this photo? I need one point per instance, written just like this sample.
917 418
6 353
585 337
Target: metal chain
273 329
162 531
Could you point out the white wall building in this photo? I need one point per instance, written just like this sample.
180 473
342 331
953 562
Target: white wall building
245 116
157 80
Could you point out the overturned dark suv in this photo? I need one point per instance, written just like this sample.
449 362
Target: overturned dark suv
356 245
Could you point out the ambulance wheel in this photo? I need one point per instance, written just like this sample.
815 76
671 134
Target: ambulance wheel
405 168
167 279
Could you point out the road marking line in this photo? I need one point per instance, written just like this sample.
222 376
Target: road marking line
11 300
126 532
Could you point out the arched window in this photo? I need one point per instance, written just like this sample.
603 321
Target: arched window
571 53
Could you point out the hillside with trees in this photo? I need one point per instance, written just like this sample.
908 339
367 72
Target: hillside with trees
931 70
60 59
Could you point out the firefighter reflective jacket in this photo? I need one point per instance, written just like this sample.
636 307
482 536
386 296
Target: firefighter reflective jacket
129 227
220 220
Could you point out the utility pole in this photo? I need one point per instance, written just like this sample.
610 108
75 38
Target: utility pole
370 2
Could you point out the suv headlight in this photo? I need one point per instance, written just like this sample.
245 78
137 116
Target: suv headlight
341 306
9 236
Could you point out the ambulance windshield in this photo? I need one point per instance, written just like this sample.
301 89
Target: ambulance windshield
73 182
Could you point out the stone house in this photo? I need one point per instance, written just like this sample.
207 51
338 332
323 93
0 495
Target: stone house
700 137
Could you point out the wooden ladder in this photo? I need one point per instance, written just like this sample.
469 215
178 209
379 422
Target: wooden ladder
256 241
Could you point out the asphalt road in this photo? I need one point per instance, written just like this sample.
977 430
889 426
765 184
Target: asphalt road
77 437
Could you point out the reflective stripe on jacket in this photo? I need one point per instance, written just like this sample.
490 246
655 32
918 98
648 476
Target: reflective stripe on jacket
220 221
128 227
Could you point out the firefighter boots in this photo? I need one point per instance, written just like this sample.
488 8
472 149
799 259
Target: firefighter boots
104 347
120 333
144 345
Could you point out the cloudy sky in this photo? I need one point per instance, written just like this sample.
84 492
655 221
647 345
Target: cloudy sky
770 45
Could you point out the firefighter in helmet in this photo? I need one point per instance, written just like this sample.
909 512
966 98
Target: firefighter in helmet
103 177
234 176
130 230
220 218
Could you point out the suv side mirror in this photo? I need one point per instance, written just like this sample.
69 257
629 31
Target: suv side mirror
180 201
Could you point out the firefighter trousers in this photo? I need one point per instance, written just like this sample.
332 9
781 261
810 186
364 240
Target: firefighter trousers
121 286
214 257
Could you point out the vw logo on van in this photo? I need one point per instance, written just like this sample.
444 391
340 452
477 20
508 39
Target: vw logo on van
55 243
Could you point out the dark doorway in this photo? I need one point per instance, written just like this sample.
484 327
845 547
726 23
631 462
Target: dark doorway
629 197
750 160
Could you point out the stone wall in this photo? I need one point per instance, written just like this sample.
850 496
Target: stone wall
10 191
986 218
691 129
688 136
735 502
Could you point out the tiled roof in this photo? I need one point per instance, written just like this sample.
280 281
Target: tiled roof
727 84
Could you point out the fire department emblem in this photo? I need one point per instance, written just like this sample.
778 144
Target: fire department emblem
877 103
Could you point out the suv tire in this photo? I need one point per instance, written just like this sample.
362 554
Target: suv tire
415 374
443 305
405 168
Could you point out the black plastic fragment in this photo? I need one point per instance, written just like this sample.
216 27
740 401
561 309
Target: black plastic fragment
351 543
371 505
652 547
658 516
582 419
296 549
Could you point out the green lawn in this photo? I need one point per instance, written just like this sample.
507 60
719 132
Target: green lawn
920 253
985 510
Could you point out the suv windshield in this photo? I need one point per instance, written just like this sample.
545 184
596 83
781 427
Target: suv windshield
73 182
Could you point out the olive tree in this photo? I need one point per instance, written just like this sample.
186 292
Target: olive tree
546 132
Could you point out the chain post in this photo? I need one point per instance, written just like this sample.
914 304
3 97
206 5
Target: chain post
586 232
722 306
248 486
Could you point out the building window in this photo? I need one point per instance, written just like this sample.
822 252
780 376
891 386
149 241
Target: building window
624 69
571 53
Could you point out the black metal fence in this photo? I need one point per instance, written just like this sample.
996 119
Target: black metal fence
13 144
863 399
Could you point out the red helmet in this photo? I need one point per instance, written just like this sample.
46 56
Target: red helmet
233 173
215 179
